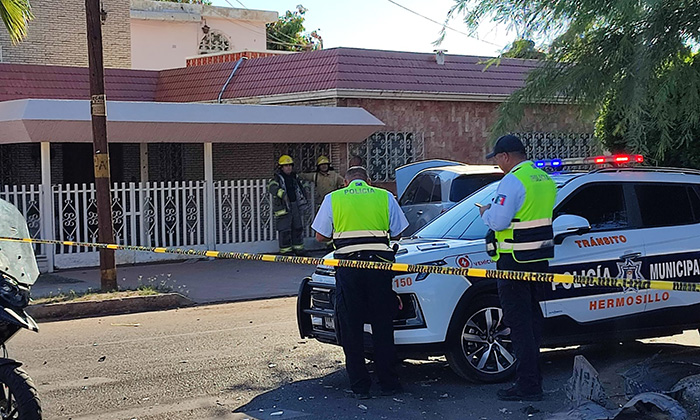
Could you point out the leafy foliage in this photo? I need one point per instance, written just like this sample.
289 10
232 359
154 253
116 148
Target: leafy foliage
15 14
287 34
524 48
631 64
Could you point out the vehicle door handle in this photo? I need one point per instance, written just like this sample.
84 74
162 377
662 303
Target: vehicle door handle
631 256
419 212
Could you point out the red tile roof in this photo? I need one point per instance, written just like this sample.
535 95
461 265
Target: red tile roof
344 68
337 68
24 81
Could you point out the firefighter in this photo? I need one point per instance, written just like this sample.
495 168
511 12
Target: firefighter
288 203
325 179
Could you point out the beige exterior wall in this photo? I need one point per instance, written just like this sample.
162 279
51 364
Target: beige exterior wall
159 44
164 34
58 35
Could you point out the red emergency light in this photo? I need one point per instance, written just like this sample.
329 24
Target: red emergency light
620 159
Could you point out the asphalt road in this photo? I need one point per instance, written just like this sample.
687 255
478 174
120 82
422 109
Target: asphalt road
245 360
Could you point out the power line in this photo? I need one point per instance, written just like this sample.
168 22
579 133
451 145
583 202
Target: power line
441 24
251 28
290 38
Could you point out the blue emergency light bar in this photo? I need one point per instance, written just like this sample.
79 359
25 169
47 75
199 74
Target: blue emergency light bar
598 160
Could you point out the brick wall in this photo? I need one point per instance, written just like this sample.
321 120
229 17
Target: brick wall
243 161
461 130
21 164
58 35
226 57
130 162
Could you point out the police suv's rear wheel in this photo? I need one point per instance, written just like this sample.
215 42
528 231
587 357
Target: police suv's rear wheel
478 344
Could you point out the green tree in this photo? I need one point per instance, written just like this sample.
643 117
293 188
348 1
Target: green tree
287 34
631 65
524 48
15 14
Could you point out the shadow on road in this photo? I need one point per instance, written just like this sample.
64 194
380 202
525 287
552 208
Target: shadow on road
434 391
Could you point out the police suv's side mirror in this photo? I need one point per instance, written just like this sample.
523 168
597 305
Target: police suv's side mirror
569 225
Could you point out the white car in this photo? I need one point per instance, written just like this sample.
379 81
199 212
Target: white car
641 223
437 187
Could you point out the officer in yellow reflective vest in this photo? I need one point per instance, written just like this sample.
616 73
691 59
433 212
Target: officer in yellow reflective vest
521 217
361 219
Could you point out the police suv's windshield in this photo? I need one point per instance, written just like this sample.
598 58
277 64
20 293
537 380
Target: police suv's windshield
462 221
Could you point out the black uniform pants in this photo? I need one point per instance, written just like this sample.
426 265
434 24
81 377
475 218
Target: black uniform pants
290 230
522 313
364 295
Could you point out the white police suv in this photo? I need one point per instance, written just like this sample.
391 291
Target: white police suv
640 223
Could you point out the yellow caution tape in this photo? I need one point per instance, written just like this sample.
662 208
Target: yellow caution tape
399 267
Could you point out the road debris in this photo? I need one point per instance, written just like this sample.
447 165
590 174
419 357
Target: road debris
584 384
362 407
652 405
125 325
586 393
687 393
656 376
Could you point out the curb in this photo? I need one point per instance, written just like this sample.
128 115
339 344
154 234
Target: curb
73 310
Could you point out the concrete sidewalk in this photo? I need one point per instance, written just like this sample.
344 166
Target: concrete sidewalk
201 280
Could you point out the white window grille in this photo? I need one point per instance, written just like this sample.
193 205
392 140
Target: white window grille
383 152
213 42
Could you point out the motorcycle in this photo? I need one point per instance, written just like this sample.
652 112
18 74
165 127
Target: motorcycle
18 271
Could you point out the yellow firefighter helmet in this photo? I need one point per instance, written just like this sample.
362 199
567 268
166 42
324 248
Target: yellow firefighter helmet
322 159
285 160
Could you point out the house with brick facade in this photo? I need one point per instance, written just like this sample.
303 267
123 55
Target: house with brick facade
431 108
190 165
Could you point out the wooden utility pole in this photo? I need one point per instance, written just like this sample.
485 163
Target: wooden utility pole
98 110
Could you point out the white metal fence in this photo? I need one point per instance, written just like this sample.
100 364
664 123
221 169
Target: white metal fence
163 214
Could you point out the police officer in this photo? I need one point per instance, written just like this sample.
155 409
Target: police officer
288 203
521 217
361 219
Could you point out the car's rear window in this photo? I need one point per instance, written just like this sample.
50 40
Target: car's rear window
667 204
464 185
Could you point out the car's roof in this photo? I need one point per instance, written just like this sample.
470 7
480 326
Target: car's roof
465 169
639 174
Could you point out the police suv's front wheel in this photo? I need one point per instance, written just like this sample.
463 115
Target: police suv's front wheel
478 344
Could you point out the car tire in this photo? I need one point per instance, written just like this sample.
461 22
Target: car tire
478 344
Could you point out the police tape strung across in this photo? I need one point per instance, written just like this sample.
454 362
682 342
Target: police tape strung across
397 267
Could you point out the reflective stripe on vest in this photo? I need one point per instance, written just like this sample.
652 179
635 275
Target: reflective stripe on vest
360 218
530 236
